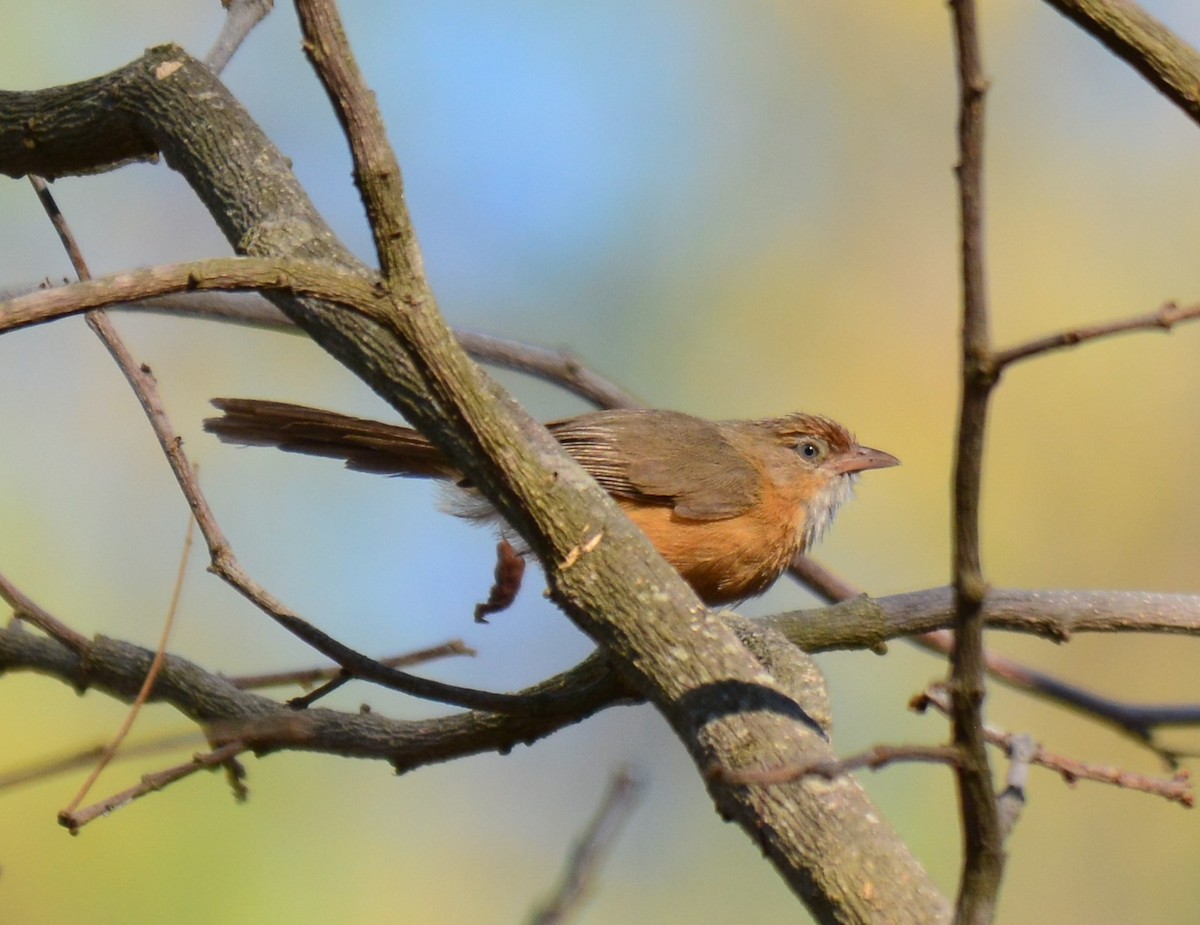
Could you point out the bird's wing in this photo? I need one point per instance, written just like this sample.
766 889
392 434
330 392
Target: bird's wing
663 457
655 457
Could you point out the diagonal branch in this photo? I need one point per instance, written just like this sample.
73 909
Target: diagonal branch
376 171
1164 319
714 694
590 851
1170 65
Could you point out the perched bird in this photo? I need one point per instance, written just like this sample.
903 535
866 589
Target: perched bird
727 503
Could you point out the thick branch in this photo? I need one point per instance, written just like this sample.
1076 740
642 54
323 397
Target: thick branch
228 712
866 623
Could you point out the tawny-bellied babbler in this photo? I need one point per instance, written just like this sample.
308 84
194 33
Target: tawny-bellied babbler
727 503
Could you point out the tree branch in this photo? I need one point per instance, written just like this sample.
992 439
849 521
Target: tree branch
713 693
295 278
590 851
1164 319
226 712
983 855
1170 65
866 622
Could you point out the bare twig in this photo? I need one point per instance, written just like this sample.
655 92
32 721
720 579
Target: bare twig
148 684
150 783
220 274
820 580
1177 788
65 235
1164 319
26 609
376 170
558 366
86 757
304 677
589 853
103 329
304 701
983 853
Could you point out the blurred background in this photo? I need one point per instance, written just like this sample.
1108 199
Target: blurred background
731 209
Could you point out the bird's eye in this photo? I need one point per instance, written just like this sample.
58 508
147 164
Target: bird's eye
809 450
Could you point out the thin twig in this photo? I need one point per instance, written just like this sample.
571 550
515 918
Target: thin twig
151 676
61 227
74 821
85 757
1164 319
219 274
590 851
30 612
99 323
1177 788
304 701
560 367
305 677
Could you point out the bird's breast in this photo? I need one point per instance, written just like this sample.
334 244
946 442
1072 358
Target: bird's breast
723 560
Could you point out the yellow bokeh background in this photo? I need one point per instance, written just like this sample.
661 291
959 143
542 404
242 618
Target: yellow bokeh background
731 209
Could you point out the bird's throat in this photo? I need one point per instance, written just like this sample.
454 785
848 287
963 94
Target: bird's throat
823 504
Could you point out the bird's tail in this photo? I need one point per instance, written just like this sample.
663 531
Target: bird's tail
366 446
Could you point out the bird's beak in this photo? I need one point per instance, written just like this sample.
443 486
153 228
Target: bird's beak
861 458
